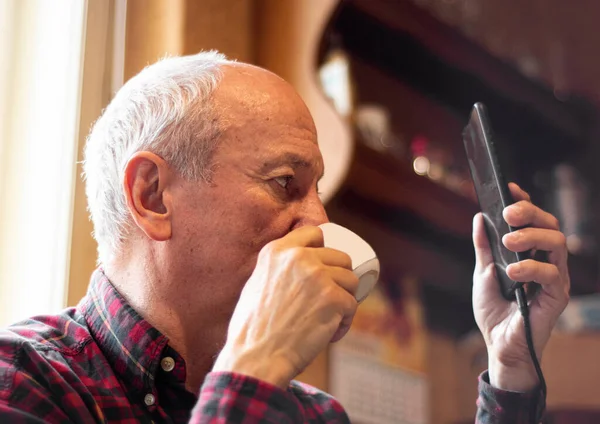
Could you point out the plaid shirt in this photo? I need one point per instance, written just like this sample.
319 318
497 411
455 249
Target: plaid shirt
103 363
501 407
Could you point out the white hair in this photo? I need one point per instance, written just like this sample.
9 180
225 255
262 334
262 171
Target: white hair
165 109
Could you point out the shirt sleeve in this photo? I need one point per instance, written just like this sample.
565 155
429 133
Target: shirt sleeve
13 415
235 398
496 406
27 402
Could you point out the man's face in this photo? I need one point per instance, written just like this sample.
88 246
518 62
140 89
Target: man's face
264 185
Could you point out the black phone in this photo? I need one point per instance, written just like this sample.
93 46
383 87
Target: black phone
492 193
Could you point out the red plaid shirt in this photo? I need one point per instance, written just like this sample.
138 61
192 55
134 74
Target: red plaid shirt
501 407
103 363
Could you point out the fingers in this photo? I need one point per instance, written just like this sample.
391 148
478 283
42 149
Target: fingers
530 270
542 233
546 274
305 236
525 213
297 245
536 238
483 252
518 193
333 257
344 278
349 310
552 241
343 327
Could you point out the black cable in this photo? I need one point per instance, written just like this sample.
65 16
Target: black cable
524 308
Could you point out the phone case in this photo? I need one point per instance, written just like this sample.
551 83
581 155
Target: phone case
480 120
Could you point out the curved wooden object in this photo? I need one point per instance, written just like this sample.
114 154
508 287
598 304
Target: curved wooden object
289 35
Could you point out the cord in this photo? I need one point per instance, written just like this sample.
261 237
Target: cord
524 308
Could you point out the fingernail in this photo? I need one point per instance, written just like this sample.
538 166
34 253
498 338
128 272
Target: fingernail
514 269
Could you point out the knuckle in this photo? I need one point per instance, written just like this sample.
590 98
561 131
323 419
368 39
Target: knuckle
330 293
272 248
555 273
523 265
296 253
318 273
526 268
315 233
349 304
339 297
346 261
488 272
561 239
567 297
524 210
525 233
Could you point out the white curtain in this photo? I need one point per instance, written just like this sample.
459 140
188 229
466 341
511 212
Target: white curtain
41 56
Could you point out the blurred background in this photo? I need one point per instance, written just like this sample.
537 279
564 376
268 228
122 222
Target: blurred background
390 84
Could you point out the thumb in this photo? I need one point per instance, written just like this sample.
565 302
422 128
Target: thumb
483 252
343 328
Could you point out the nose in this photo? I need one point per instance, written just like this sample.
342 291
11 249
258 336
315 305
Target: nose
311 211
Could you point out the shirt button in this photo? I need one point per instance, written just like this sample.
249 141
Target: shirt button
149 399
167 364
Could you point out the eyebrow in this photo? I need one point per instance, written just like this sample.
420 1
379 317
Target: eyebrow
294 160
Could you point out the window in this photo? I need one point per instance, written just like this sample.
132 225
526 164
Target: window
41 56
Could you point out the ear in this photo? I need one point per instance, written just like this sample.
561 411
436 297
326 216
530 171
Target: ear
146 187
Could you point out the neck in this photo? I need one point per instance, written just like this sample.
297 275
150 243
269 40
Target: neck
195 325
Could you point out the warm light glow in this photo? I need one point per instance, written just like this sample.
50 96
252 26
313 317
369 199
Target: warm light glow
574 244
421 165
419 145
435 172
43 45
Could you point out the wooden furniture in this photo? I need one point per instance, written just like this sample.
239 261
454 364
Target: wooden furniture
570 368
428 76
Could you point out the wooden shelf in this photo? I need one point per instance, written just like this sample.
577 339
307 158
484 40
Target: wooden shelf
407 43
428 76
384 181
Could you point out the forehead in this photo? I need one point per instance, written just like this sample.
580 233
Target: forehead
251 95
265 120
265 146
299 155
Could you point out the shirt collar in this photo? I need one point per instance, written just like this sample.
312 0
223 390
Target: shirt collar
132 346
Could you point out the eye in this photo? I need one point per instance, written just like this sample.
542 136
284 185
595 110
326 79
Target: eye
284 181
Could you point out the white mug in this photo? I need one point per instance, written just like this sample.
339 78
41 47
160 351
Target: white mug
365 264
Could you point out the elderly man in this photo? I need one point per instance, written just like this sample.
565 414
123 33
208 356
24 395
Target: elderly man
214 289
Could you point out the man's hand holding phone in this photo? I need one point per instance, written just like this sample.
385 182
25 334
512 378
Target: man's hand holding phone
500 321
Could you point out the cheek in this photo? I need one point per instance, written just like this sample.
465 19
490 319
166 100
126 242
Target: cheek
228 228
264 222
247 229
